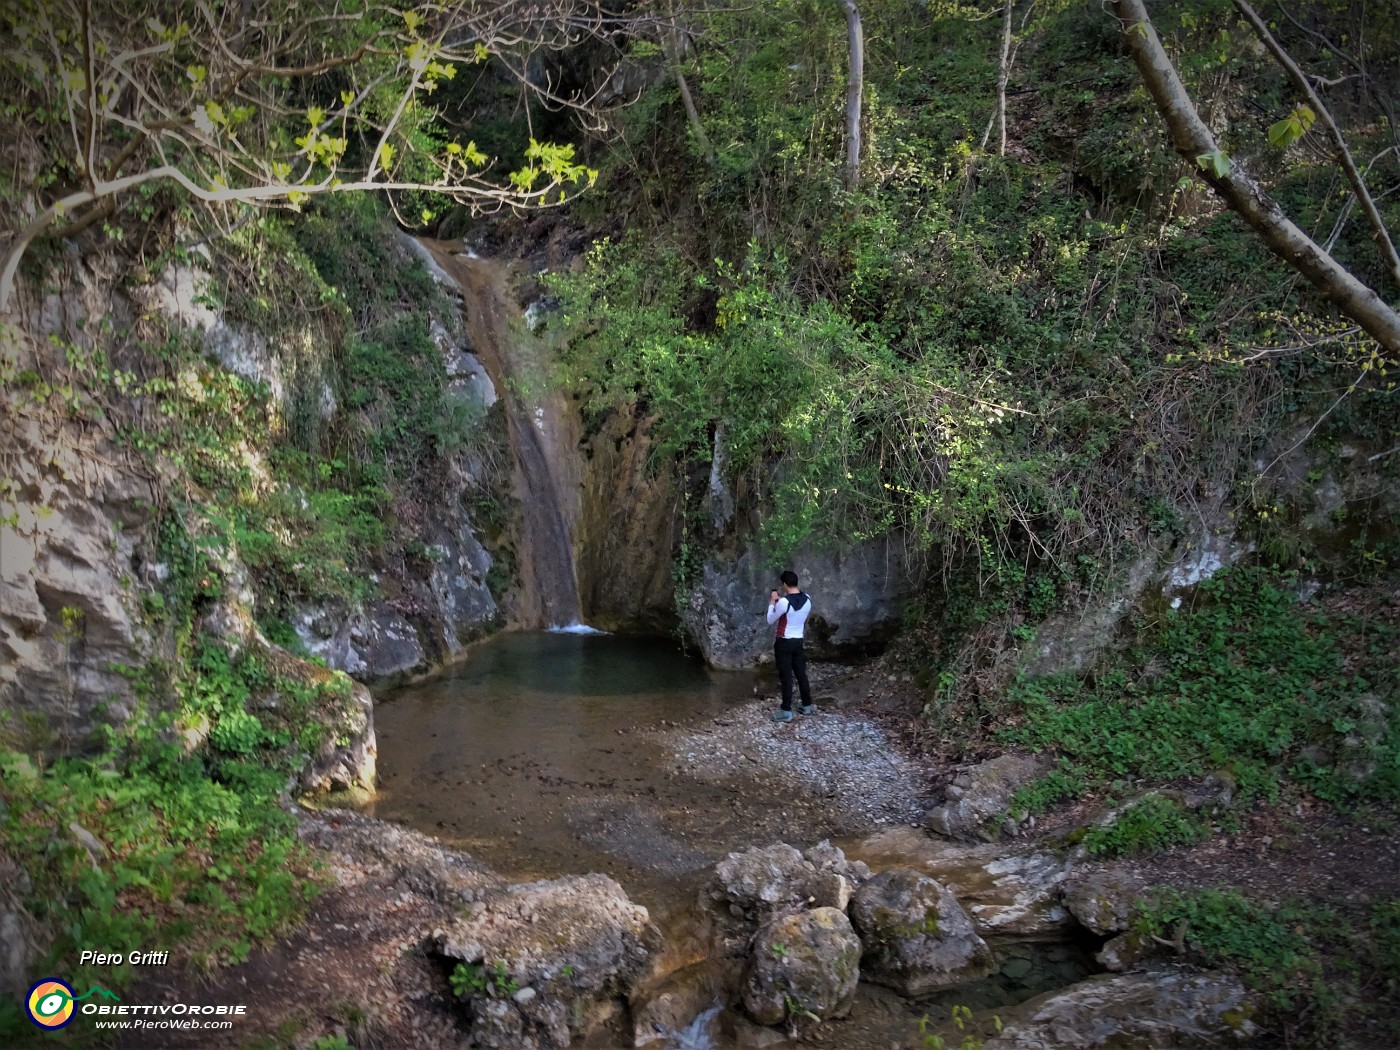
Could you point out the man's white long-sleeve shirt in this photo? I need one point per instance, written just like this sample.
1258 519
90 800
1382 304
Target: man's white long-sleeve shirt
789 613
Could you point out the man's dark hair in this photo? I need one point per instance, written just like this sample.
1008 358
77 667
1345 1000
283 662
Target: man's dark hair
789 577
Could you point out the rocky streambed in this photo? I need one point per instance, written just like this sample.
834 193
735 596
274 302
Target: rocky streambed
750 885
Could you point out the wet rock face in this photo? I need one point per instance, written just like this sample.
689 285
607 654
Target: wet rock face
686 1002
377 644
917 936
982 792
552 959
627 519
1177 1008
858 601
803 964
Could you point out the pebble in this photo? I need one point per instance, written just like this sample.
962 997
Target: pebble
844 758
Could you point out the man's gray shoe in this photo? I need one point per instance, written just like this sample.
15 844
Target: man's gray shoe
809 709
782 716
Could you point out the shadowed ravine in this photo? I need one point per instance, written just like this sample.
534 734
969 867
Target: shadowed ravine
539 428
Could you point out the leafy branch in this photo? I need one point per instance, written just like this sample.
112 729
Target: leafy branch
265 105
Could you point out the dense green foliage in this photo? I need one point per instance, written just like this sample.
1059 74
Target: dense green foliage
1246 682
1024 362
190 844
1322 970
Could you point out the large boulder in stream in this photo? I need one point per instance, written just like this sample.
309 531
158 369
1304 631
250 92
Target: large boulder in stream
1104 901
1009 892
917 936
543 963
1178 1008
766 881
803 965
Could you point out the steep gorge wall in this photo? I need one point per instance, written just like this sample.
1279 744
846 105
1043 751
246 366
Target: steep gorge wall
85 478
76 509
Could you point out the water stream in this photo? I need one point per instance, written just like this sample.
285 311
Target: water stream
539 756
541 428
532 756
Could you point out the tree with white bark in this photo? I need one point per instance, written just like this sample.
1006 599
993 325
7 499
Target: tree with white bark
855 86
1194 140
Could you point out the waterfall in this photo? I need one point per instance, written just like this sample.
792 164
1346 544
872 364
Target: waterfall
541 430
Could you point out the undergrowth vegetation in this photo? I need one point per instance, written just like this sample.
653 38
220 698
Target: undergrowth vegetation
1246 682
1320 969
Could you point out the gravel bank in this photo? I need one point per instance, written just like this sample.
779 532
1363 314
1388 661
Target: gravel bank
845 760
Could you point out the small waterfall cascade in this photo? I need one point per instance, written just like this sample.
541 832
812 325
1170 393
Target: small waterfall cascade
542 429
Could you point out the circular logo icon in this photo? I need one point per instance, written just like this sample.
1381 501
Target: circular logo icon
50 1003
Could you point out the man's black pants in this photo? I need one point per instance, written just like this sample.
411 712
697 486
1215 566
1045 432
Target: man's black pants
792 661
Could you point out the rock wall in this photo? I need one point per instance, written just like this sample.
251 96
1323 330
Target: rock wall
627 532
75 509
858 601
78 570
438 600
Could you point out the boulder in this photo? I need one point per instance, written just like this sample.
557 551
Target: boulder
982 792
1126 951
917 936
766 881
1007 891
347 759
1103 901
804 965
1178 1008
762 881
551 960
858 600
1013 894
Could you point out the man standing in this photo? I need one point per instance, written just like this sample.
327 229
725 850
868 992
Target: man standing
788 612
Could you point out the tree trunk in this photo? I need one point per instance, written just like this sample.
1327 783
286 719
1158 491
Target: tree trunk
1004 74
1241 193
1339 145
855 83
692 112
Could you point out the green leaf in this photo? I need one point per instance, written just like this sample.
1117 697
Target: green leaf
1292 127
1217 161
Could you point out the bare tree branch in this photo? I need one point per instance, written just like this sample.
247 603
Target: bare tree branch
210 97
